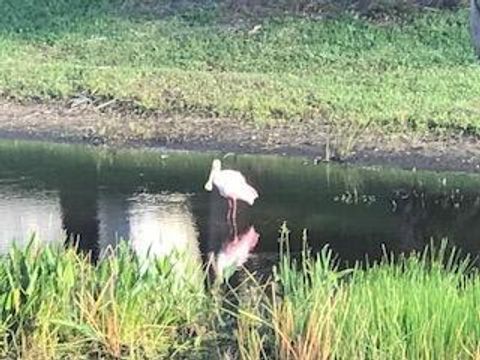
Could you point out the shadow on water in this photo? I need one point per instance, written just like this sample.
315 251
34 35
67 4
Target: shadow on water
157 201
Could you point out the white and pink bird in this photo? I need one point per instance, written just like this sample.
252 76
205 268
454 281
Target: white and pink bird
231 184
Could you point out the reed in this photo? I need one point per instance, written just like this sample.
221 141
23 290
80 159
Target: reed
55 303
424 306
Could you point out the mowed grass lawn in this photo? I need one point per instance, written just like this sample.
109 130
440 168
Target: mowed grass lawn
419 72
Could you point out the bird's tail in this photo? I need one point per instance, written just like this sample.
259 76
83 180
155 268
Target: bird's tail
250 194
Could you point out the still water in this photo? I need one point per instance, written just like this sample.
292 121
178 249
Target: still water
156 201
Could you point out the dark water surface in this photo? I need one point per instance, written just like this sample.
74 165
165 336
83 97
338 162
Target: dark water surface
156 200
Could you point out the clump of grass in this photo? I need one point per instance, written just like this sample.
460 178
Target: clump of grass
55 303
418 307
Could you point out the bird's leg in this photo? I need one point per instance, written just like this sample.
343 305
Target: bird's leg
234 210
229 210
234 226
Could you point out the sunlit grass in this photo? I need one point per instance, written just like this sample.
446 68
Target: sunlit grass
421 307
419 72
54 303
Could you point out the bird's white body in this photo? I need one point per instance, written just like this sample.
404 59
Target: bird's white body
231 184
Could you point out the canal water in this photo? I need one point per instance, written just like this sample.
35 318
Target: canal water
156 201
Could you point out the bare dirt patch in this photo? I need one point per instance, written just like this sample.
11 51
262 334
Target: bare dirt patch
90 125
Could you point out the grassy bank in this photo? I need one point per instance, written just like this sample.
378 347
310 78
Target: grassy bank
55 304
416 71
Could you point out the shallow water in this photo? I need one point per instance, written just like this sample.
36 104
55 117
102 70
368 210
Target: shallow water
156 200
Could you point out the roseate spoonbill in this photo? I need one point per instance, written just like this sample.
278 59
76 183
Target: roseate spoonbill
232 185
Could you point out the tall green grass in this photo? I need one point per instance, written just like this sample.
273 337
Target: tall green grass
424 306
54 303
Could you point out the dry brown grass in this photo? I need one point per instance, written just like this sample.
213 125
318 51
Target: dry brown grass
313 342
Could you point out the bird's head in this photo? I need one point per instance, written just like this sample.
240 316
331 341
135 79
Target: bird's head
216 167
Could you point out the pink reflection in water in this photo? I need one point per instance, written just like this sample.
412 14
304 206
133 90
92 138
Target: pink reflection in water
236 250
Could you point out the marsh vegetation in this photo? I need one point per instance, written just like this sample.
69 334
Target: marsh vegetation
55 303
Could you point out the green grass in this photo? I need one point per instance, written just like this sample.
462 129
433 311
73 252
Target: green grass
55 304
421 307
417 72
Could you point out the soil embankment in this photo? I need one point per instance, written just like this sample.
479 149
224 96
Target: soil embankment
61 123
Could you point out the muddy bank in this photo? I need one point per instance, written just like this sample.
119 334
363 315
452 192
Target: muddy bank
93 125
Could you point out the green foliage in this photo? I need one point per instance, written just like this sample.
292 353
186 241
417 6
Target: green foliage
59 303
421 307
418 72
54 303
